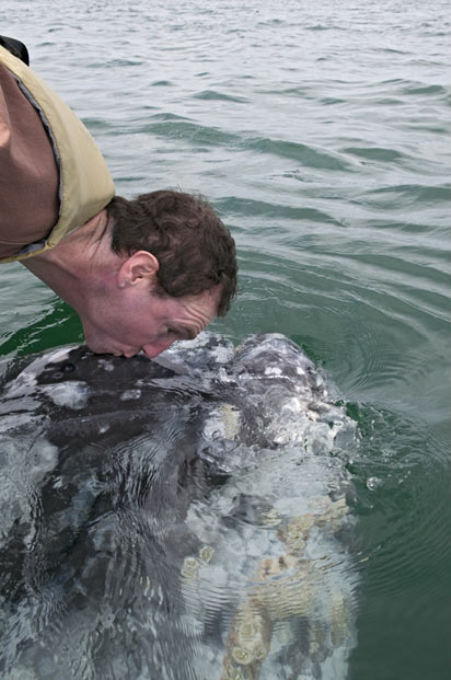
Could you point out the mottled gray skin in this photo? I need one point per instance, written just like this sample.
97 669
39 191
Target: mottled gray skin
106 528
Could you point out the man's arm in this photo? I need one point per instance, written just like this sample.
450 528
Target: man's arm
28 171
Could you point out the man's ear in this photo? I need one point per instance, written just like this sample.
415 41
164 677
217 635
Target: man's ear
140 269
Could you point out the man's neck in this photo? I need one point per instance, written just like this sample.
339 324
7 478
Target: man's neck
80 263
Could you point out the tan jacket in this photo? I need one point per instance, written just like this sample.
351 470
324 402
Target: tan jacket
81 185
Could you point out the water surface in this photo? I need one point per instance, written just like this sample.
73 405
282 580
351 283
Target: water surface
321 135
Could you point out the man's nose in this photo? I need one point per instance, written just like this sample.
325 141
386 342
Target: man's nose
156 348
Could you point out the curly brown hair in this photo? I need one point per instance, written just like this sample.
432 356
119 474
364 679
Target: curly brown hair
195 250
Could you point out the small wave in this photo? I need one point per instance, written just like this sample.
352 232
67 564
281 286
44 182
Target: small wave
392 50
407 194
162 83
169 117
425 89
331 101
249 207
306 155
324 27
179 128
213 95
375 153
414 87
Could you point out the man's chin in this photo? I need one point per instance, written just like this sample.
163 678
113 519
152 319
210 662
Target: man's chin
98 346
114 351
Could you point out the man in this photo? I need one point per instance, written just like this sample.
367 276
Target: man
141 274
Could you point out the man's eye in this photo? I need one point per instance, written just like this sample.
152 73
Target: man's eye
171 331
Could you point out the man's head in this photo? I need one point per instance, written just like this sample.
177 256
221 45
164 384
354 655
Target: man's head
176 271
195 251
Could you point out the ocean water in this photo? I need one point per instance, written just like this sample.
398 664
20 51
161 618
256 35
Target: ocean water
320 133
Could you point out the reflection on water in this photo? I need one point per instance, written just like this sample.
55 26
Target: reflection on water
194 524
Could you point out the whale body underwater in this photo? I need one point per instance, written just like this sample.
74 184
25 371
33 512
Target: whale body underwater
183 518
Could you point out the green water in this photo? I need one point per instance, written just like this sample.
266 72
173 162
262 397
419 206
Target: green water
321 135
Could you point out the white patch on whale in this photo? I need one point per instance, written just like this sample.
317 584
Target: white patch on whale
130 395
27 378
74 394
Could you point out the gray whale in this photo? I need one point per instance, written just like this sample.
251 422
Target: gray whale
181 518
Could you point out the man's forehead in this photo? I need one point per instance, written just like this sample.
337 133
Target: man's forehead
206 302
194 313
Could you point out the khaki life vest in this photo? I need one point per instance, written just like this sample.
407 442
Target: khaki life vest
85 185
